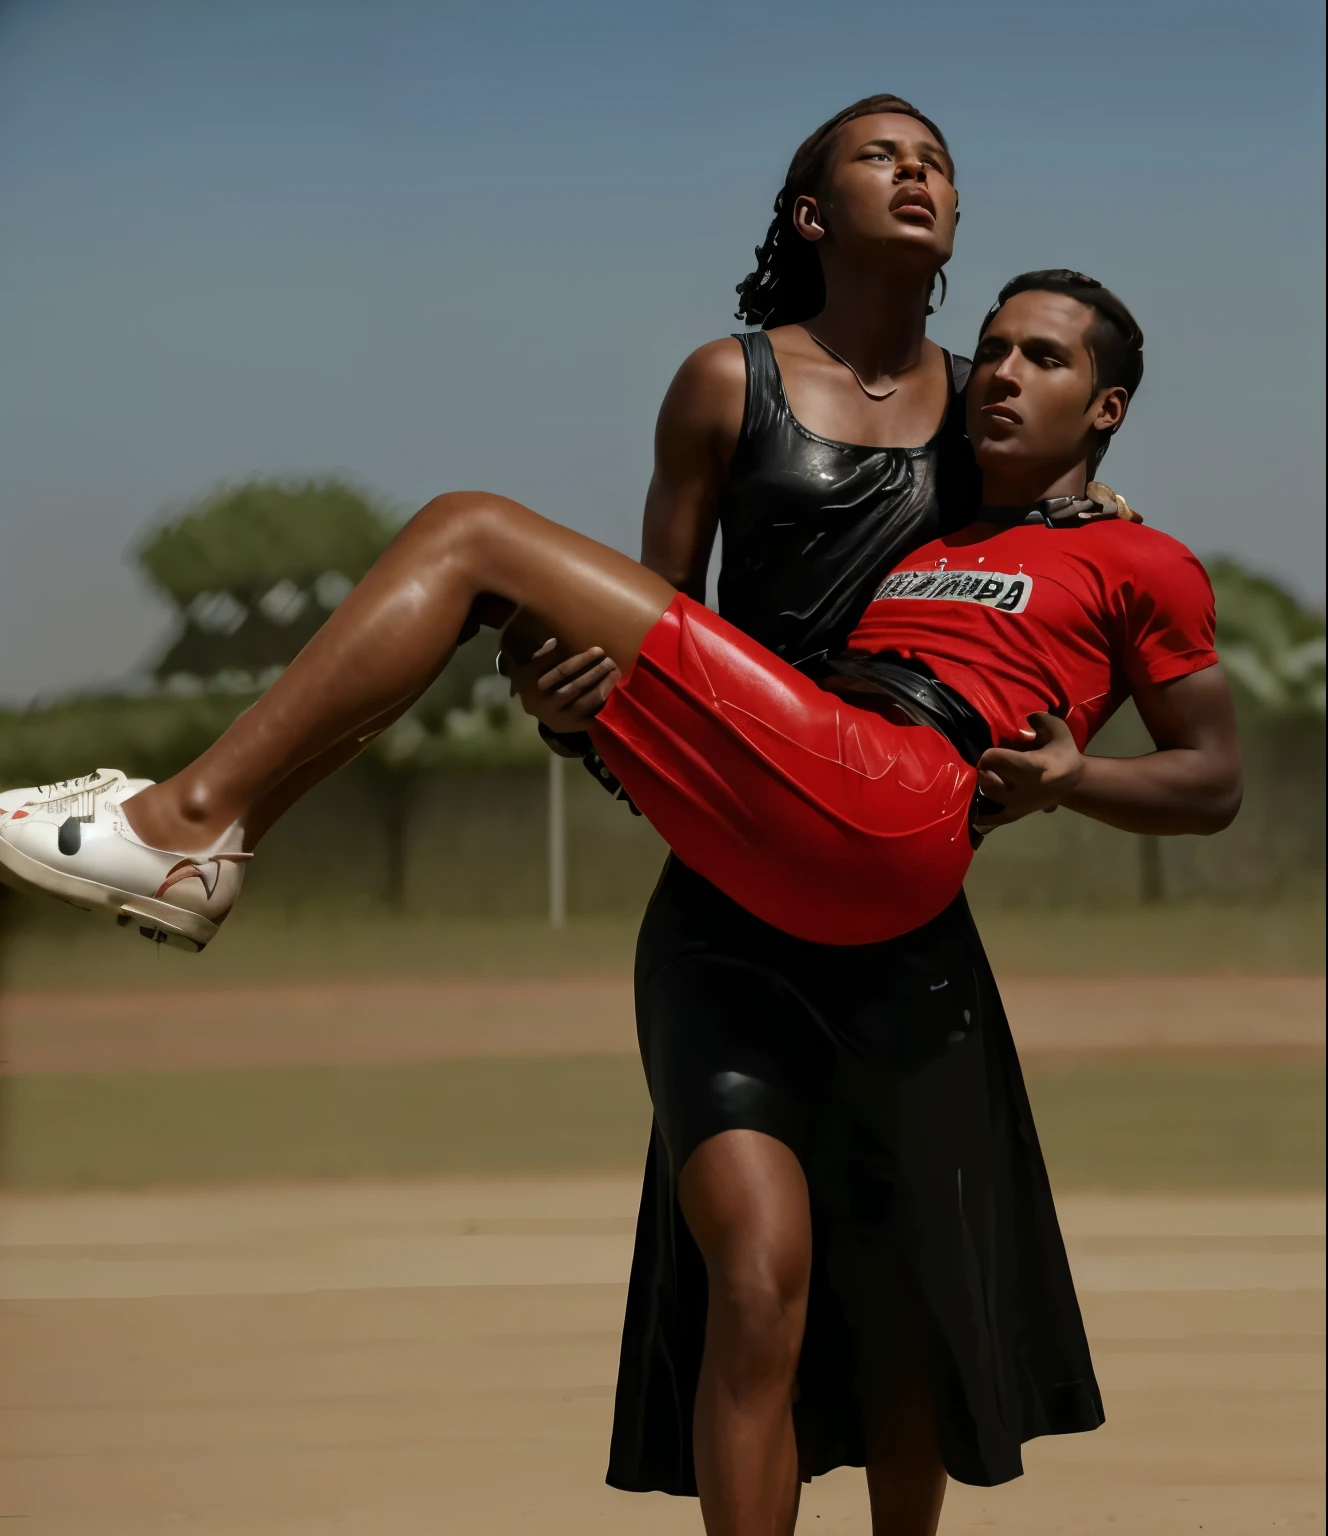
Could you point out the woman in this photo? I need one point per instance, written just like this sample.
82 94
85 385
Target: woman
846 1058
748 434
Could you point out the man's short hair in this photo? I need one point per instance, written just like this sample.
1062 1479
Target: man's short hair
1115 342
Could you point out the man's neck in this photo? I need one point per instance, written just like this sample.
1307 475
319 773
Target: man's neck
1001 488
879 324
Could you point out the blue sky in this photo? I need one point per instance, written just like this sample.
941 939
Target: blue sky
435 246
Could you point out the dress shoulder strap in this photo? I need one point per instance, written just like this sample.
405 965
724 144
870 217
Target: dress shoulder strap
765 389
959 370
959 486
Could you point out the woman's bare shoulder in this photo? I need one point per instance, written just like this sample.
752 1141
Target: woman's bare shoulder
709 389
718 365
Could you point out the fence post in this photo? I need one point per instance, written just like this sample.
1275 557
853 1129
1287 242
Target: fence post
1152 879
557 842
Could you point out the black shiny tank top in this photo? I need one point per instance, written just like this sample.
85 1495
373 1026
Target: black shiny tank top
810 526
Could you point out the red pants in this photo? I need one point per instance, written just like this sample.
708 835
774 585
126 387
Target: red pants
826 819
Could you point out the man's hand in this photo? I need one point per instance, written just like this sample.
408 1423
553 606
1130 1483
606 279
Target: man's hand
565 696
1103 494
1098 504
1033 778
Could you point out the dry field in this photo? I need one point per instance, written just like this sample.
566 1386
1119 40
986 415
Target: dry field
362 1022
439 1355
411 1359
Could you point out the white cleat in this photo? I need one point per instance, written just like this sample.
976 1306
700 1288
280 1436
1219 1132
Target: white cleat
78 797
77 846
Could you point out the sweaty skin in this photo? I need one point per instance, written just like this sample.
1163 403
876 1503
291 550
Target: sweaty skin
391 637
378 651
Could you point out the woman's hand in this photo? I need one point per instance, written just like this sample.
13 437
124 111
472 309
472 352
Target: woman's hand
565 696
1033 778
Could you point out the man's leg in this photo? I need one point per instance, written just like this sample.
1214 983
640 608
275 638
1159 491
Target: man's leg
522 637
716 739
391 637
744 1197
274 805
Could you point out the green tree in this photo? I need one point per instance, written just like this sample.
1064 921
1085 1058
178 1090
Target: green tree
254 568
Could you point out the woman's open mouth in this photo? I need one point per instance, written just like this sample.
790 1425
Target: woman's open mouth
914 206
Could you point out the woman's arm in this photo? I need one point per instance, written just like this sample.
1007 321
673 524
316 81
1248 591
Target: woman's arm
1192 783
695 435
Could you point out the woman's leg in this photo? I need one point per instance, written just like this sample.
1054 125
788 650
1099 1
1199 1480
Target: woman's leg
391 637
744 1197
906 1478
897 1352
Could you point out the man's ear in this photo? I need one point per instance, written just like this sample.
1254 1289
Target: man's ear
1110 411
807 218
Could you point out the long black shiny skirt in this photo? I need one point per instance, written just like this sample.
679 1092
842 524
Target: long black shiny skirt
889 1069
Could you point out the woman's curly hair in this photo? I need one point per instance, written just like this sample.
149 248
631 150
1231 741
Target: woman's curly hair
787 285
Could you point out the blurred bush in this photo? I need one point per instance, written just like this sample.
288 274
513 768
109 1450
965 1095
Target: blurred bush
457 723
1271 645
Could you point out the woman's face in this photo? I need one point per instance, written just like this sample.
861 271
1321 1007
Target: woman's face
888 184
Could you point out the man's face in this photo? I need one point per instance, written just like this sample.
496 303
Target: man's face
1031 399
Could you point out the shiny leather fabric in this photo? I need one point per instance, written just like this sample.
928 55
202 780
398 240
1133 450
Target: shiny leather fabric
889 1068
890 1071
827 820
810 525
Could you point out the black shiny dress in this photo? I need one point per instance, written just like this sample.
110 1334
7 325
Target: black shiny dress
888 1068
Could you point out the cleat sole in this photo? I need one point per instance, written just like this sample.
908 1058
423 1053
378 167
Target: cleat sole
159 921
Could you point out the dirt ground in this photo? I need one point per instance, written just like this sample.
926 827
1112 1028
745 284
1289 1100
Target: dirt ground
373 1022
440 1356
428 1358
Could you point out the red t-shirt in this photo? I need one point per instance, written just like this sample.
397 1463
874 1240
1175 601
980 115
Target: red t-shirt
1068 620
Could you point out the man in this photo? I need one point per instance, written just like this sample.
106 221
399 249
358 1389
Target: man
1011 620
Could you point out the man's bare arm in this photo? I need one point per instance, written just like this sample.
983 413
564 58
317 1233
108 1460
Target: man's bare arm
1191 784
